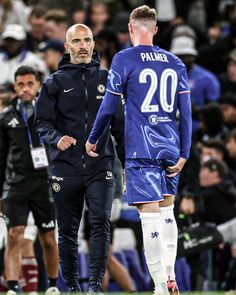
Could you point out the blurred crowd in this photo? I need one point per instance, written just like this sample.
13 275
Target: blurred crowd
203 34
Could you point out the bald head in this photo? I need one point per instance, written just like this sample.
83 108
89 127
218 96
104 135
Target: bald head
79 43
75 29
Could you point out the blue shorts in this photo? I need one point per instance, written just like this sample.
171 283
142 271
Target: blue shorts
146 180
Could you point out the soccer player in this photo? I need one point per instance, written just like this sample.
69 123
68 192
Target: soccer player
154 84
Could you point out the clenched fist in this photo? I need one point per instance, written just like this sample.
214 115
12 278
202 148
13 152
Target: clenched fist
65 142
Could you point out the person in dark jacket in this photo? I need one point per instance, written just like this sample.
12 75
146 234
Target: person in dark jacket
23 180
65 112
217 192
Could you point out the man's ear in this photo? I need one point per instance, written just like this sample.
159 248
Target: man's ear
156 30
14 87
66 46
130 27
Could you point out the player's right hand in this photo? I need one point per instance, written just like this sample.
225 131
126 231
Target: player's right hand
174 170
65 142
90 149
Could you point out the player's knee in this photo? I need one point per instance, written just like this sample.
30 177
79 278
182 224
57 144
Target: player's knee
15 236
48 241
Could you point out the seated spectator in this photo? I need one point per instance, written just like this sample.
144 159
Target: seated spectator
212 124
121 28
228 107
56 24
212 56
36 33
52 52
219 200
106 43
228 79
98 16
69 6
14 54
219 195
13 12
212 149
79 16
215 149
203 84
189 212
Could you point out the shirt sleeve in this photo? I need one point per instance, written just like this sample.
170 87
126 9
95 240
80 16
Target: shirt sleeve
105 113
117 75
45 115
183 86
185 114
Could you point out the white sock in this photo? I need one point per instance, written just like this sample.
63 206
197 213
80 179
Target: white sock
170 237
153 249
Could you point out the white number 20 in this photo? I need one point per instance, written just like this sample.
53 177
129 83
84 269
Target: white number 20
147 107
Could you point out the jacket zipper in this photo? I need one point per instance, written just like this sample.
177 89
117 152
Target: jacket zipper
86 114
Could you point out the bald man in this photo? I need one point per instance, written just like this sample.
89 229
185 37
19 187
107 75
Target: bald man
66 109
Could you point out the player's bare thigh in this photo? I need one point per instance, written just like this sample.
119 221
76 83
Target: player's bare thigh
168 201
149 207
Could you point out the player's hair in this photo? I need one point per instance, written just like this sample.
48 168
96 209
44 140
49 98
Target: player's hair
143 12
26 70
232 134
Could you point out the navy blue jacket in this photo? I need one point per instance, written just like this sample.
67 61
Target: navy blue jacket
67 105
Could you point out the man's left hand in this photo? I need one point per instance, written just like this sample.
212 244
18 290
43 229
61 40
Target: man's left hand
174 170
90 149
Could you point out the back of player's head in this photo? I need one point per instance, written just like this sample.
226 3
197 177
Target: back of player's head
143 12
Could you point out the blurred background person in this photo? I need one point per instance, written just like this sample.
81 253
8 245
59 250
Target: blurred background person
56 24
36 33
203 84
228 79
106 43
211 123
219 205
14 54
228 107
52 53
13 12
98 16
121 28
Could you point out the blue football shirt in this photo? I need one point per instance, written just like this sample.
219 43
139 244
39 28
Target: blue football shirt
154 85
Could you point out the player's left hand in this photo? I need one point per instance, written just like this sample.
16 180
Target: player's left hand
174 170
90 149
